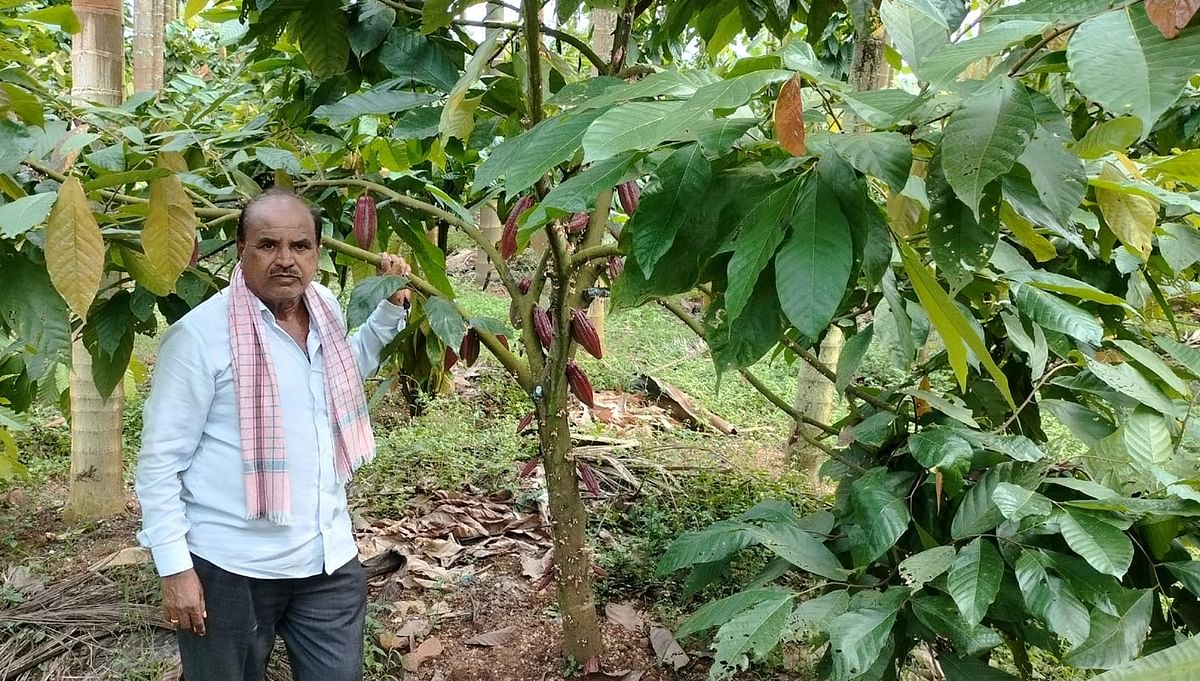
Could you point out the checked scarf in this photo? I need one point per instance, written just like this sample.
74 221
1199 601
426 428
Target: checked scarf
264 448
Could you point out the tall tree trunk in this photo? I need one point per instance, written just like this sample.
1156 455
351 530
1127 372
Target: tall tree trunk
148 20
170 11
814 393
604 24
97 69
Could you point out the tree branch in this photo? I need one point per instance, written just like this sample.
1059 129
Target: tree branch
601 252
1038 47
567 38
509 360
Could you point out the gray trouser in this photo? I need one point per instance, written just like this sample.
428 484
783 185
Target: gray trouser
320 619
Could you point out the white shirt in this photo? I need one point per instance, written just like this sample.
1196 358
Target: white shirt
189 474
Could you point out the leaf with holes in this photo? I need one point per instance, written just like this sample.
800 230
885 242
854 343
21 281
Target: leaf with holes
985 138
752 633
961 240
721 611
919 569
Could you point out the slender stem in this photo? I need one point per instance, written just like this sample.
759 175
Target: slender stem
533 59
567 38
1032 394
1038 47
510 361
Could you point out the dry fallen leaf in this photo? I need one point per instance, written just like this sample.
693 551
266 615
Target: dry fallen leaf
625 615
493 638
132 555
667 649
789 118
429 649
416 628
392 641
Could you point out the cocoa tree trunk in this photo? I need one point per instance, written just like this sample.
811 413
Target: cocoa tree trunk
96 489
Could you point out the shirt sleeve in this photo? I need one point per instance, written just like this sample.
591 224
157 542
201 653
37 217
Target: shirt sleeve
173 422
369 340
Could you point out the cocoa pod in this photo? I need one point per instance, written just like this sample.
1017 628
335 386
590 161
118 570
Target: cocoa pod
468 349
508 239
524 285
195 254
526 421
366 221
543 326
584 333
592 666
588 477
578 223
580 386
616 265
502 340
529 467
449 360
629 194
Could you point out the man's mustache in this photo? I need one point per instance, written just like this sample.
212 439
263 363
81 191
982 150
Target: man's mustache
285 272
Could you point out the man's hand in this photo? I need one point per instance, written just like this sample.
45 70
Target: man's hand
394 264
183 600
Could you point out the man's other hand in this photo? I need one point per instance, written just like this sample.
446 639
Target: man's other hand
395 265
183 600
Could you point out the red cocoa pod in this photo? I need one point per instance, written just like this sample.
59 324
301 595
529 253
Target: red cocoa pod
543 326
508 239
580 386
592 666
588 477
195 254
529 467
449 360
366 221
524 285
468 349
578 223
616 265
526 421
629 193
585 334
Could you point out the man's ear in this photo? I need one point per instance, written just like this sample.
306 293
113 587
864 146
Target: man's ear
241 246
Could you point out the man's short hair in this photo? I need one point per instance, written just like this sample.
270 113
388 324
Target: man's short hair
278 193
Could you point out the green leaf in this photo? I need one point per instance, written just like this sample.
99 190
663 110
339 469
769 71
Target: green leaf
815 615
940 615
960 240
373 102
857 639
1058 11
458 113
852 356
437 14
445 320
883 108
969 669
324 38
916 29
946 62
408 54
110 321
1148 359
752 633
719 136
977 513
957 334
278 159
941 450
1055 314
812 267
668 205
1180 662
1015 447
919 569
1115 639
985 138
25 213
59 15
31 309
1179 245
1127 380
1059 283
743 340
372 21
1017 503
880 514
1188 574
799 548
1048 599
367 295
974 579
1057 174
645 125
578 193
1103 546
1154 70
1184 167
1116 134
886 155
713 543
758 233
1186 355
719 612
108 368
526 158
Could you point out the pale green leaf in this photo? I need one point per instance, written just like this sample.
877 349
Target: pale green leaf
1125 379
1115 134
1017 503
883 108
1057 173
852 356
857 639
446 321
25 213
526 158
977 513
800 548
1180 662
1184 167
919 569
578 193
721 611
752 633
713 543
1060 283
458 114
816 614
914 32
945 63
1148 359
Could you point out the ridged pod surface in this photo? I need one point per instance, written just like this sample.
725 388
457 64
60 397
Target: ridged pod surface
580 386
508 239
366 221
543 326
584 333
629 193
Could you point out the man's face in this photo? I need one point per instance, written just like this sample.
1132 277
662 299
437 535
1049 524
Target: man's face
279 254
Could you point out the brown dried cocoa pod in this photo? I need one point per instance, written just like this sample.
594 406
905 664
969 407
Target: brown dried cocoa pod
543 326
449 360
525 422
578 223
468 349
580 386
366 221
629 194
529 467
584 333
508 239
524 285
588 477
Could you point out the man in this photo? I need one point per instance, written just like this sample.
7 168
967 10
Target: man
255 421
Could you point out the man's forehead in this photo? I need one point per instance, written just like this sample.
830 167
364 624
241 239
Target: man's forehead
278 213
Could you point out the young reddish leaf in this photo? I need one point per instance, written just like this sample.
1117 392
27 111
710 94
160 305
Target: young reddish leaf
789 118
1170 16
